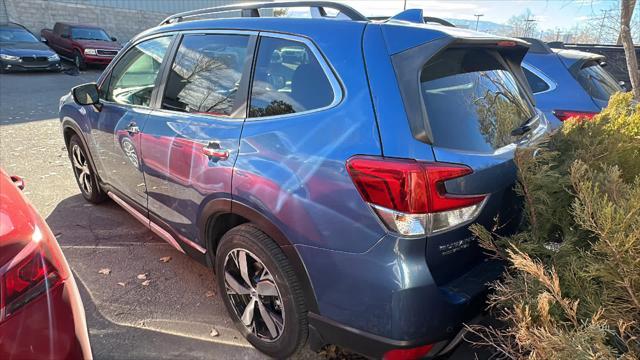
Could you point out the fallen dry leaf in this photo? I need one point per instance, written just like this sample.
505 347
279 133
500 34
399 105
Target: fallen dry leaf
142 276
122 284
214 333
210 293
165 259
146 283
104 271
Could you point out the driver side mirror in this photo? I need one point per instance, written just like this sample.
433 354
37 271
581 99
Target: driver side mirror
86 94
113 38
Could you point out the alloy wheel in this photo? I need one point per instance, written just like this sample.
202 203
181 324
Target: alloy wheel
254 295
81 169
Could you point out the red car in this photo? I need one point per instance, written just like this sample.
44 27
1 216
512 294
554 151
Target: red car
83 44
41 313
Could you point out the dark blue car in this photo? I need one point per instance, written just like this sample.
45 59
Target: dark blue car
326 168
567 83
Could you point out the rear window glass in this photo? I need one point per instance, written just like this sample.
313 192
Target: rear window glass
473 101
596 81
536 83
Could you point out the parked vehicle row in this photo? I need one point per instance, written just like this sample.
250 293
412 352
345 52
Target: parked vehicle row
21 50
329 191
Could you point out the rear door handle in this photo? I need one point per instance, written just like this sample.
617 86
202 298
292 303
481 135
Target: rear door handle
132 128
213 150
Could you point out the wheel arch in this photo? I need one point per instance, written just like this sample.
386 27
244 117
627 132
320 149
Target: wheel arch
70 128
222 215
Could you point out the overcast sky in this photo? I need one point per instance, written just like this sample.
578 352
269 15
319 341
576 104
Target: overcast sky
549 14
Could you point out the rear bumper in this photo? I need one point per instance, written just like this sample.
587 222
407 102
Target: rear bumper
50 327
387 299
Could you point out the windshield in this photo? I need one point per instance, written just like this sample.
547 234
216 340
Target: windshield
473 101
16 35
89 34
597 81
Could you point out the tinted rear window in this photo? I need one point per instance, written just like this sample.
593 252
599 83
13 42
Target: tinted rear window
596 81
473 101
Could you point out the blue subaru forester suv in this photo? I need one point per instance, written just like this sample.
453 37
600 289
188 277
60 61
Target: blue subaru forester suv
326 168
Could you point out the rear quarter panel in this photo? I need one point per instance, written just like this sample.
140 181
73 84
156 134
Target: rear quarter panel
292 169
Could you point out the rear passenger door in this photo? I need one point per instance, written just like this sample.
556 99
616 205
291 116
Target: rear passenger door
189 142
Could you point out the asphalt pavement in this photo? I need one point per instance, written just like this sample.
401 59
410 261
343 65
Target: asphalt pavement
138 306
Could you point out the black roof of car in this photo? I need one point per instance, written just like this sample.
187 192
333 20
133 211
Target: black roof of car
11 25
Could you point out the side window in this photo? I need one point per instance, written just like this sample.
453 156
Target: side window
288 79
206 74
134 76
537 83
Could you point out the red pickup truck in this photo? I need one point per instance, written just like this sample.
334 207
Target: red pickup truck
81 43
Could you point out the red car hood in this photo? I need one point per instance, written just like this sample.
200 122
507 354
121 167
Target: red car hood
96 44
17 220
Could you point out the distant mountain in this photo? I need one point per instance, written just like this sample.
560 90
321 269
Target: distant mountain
484 26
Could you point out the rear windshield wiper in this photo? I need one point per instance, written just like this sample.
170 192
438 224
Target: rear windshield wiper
521 130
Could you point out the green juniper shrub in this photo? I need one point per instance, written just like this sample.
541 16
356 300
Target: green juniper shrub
572 290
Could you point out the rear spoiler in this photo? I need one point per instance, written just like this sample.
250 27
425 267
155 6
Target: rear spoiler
575 59
408 67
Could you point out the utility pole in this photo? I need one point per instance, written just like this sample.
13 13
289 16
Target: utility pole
405 4
478 19
527 26
604 17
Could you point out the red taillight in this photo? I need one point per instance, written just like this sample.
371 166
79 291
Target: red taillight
393 184
564 115
408 354
437 174
26 280
408 186
403 191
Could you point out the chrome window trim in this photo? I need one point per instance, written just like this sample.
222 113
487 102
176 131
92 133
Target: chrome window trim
329 72
535 71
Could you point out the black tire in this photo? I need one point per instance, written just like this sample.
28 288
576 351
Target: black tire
294 332
78 60
84 172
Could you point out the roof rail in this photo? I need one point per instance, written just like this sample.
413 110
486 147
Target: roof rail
251 10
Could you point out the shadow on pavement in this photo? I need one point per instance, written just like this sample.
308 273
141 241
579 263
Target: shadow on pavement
113 341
